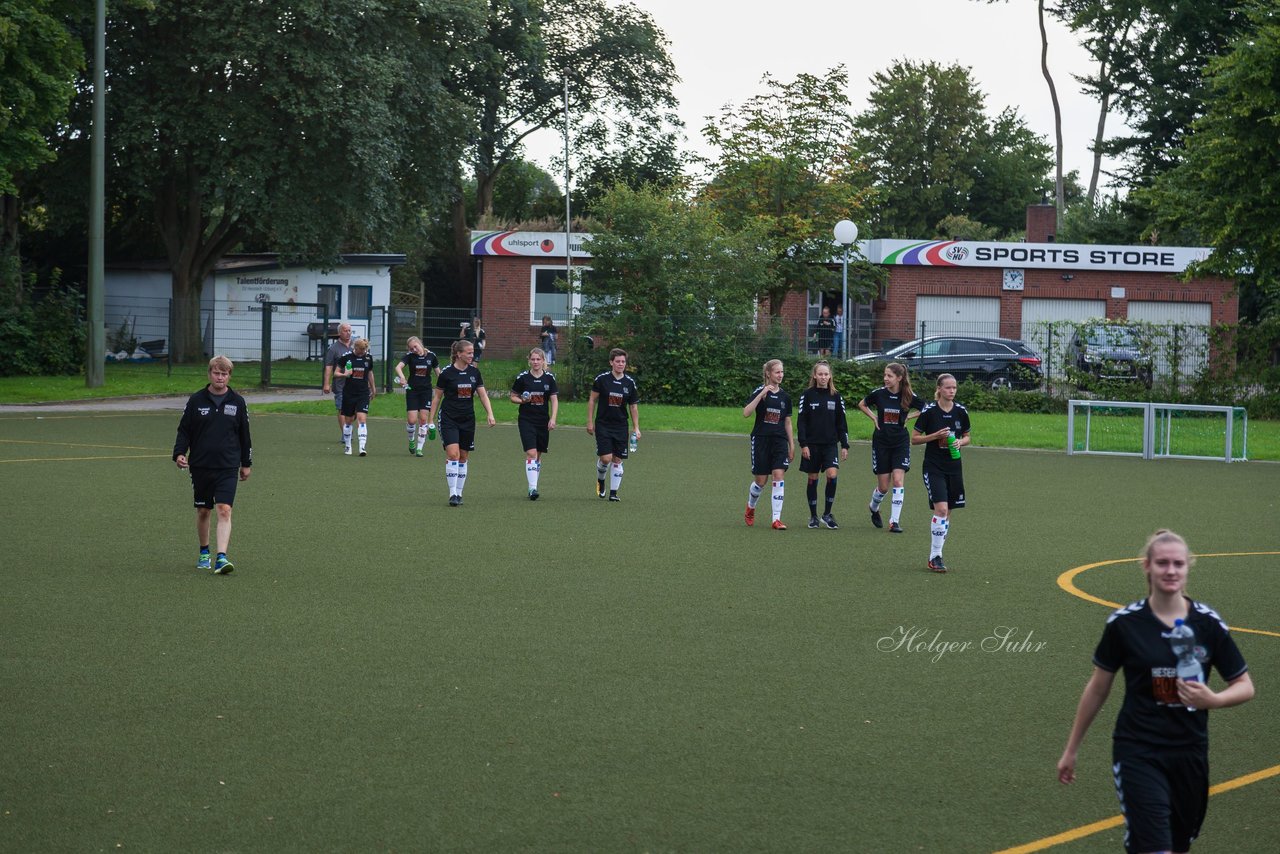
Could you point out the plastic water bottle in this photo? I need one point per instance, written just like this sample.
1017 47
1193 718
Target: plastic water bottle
431 431
348 368
633 444
1183 641
526 396
953 447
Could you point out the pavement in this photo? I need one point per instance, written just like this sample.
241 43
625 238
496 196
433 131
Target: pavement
151 403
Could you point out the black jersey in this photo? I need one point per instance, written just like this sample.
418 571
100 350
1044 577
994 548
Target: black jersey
214 433
771 413
891 412
359 372
460 388
537 409
1135 640
420 368
820 418
615 395
932 419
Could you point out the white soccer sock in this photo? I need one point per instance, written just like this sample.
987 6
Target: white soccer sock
531 469
363 431
938 530
412 430
753 494
876 497
462 477
779 487
422 435
895 503
451 475
615 477
346 435
602 469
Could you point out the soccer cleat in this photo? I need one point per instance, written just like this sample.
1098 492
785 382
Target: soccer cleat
613 496
223 566
533 495
455 500
876 520
204 561
813 521
830 521
347 450
600 488
419 451
778 526
750 516
363 452
413 448
936 564
895 528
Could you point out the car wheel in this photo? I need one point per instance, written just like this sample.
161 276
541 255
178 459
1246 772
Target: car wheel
1001 381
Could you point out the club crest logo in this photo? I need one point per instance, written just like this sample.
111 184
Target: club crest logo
956 253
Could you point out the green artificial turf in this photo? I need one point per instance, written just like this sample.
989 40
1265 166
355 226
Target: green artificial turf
383 672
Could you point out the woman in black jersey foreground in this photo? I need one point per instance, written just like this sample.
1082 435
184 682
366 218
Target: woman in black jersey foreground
1166 645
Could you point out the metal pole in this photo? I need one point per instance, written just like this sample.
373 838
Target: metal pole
568 212
95 340
844 305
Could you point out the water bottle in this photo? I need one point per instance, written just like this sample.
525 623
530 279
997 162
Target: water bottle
348 368
953 447
431 431
1183 641
526 396
633 444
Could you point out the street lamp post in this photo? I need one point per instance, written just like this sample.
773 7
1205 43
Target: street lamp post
846 233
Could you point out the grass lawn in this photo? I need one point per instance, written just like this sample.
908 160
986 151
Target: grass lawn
383 672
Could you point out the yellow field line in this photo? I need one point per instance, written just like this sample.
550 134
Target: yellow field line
1067 582
75 445
84 459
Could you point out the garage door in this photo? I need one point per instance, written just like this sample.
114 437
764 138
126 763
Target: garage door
958 315
1183 336
1046 325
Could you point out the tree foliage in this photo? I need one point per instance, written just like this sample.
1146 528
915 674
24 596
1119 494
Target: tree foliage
300 127
932 152
785 169
1227 185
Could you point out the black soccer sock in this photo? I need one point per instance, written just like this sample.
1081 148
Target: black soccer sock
831 494
811 492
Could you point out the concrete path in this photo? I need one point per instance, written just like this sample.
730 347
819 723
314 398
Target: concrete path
159 402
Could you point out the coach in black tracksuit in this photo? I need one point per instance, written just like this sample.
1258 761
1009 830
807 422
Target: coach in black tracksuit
213 443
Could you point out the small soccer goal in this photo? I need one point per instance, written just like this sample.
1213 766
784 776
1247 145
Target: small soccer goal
1157 430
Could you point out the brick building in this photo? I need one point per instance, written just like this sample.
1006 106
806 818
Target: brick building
1000 289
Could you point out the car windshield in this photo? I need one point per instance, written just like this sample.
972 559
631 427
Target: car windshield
903 349
1110 336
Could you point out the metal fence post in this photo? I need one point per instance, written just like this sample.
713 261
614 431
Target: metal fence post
266 344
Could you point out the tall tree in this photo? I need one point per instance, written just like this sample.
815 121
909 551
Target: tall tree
300 127
1010 173
38 64
785 167
1227 185
923 137
614 58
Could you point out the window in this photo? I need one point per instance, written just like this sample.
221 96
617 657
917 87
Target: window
331 296
360 296
549 296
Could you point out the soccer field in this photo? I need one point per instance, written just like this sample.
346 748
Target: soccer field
383 672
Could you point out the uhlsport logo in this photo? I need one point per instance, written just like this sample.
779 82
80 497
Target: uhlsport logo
547 244
956 253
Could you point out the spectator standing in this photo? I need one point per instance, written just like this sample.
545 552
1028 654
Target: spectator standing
548 339
336 353
838 340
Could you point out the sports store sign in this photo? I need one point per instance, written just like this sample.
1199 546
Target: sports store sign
1055 256
528 244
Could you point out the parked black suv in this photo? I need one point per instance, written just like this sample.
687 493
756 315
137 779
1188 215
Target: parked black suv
1109 352
994 362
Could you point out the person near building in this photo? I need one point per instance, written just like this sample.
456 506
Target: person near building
825 330
837 341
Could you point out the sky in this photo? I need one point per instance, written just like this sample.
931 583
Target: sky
721 50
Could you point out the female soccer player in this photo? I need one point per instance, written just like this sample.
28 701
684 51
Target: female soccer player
943 428
616 394
423 368
894 404
822 425
357 393
539 398
458 386
773 443
1160 747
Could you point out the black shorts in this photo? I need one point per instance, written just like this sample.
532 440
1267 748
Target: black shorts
821 458
417 398
611 441
1163 794
462 435
534 437
768 454
944 487
890 454
214 486
352 405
